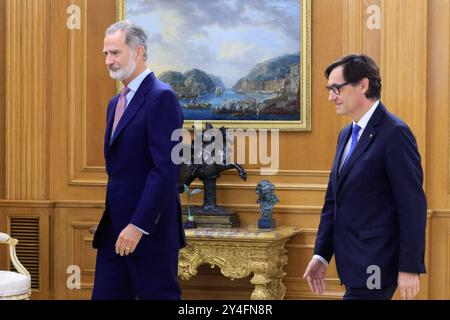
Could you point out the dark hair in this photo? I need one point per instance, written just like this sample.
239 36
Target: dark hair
356 68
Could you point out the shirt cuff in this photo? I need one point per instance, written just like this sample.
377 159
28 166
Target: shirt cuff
143 231
321 259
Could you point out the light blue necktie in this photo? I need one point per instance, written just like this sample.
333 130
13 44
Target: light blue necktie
355 132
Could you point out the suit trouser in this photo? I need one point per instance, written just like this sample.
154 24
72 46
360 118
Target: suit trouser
130 277
368 294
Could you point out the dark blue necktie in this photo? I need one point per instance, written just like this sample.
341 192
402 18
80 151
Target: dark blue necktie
355 132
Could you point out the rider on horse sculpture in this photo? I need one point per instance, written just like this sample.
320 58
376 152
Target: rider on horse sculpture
207 162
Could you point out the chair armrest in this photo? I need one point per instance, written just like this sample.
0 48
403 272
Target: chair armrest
4 238
11 242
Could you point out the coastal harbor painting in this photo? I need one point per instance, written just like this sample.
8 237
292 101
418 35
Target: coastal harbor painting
237 63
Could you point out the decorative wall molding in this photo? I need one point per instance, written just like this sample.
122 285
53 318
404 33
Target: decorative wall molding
281 209
27 203
248 208
75 257
440 213
27 99
302 173
353 24
278 186
90 179
79 172
405 88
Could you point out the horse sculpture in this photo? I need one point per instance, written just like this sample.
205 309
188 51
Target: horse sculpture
203 165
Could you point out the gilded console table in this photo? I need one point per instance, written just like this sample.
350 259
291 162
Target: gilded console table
238 252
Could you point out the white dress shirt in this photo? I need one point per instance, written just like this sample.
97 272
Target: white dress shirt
362 123
134 85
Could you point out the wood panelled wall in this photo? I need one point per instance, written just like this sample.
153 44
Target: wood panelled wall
52 116
2 95
438 147
27 114
2 118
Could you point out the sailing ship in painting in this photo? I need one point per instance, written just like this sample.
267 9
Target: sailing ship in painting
270 91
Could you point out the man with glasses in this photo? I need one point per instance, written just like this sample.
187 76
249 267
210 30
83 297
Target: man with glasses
374 216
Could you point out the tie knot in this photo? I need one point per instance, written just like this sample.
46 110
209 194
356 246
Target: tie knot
125 91
356 129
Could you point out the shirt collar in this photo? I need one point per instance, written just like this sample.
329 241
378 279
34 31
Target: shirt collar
366 117
136 82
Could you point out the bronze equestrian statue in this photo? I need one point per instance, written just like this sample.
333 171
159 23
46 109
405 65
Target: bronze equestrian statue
203 167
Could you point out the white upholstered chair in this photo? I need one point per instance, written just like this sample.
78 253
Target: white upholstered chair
14 285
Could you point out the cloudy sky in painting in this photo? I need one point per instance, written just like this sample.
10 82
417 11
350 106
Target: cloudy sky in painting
223 37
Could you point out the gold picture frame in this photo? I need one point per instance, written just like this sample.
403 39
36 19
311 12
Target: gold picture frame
304 88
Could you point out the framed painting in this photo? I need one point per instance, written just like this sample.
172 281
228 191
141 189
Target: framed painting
237 63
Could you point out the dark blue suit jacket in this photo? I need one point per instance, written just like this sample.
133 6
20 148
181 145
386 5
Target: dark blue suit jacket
142 179
375 209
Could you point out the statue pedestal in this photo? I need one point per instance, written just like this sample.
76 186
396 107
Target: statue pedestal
190 224
217 217
267 224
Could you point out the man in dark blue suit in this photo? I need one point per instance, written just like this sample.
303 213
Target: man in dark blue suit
140 232
374 216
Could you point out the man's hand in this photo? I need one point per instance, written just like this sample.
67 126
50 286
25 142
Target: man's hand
128 240
315 275
408 284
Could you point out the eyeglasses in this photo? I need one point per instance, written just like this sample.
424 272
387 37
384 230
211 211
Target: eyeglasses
336 88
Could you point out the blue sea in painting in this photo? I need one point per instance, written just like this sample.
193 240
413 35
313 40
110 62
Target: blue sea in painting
231 95
250 47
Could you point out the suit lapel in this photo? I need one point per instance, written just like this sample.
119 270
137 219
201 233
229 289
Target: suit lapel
135 104
133 107
345 135
364 142
109 122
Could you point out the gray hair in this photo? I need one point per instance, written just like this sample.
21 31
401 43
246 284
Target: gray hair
135 36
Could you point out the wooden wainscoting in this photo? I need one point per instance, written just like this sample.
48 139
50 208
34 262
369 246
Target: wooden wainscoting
73 248
31 223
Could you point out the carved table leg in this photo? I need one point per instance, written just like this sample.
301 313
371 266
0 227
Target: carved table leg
277 288
188 261
268 275
262 287
269 287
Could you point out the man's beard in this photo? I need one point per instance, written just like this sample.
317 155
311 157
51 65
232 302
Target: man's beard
125 72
